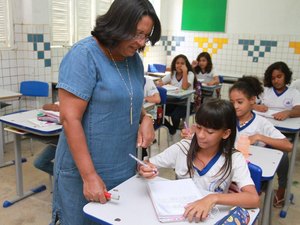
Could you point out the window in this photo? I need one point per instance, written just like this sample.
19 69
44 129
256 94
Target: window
73 20
6 30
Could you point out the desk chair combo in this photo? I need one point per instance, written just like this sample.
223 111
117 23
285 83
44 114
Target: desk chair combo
160 124
32 89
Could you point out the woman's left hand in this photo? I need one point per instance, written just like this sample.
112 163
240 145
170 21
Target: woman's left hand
199 210
146 133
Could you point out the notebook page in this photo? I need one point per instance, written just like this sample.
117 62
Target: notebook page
169 197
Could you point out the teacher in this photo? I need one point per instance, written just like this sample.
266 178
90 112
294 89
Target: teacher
101 94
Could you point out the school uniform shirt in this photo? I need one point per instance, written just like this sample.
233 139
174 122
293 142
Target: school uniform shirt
206 77
149 88
279 102
258 125
178 83
207 179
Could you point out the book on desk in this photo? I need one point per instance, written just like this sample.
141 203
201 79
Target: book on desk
169 197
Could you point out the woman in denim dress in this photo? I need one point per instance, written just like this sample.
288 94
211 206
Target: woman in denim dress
101 94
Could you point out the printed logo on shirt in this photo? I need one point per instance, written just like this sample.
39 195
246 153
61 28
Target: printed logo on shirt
217 186
287 102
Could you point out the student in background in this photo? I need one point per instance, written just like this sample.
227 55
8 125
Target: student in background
277 95
203 69
44 161
260 131
210 160
151 95
181 76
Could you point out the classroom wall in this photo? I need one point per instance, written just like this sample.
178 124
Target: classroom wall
30 56
258 33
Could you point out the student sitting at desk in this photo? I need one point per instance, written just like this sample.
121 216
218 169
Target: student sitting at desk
44 161
181 76
203 69
277 95
210 159
259 130
151 95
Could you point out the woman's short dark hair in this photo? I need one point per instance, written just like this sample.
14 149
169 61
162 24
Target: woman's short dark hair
120 22
282 66
209 66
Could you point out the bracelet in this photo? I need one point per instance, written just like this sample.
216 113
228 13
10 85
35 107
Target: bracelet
150 116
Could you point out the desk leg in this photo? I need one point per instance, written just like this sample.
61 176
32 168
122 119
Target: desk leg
19 176
188 109
266 220
287 201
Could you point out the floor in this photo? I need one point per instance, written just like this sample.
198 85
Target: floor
36 210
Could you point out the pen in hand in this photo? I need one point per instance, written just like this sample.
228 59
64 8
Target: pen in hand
141 162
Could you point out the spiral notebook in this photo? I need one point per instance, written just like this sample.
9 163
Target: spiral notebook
169 197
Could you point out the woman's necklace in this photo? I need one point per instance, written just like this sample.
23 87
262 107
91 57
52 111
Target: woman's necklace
130 91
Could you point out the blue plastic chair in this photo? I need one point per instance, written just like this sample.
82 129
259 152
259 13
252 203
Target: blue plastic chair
256 175
163 101
157 68
34 89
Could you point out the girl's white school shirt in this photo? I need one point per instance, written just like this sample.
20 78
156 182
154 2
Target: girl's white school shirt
206 77
149 88
173 81
259 125
175 157
279 102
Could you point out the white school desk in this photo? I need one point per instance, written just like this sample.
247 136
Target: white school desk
290 125
268 160
135 207
183 94
20 122
154 78
5 96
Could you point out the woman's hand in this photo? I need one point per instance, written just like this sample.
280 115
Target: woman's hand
184 70
159 83
146 133
200 209
149 171
94 188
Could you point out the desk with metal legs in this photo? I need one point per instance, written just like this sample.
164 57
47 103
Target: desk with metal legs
6 96
19 125
268 160
135 207
183 94
290 125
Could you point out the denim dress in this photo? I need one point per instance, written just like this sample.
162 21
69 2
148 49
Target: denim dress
88 74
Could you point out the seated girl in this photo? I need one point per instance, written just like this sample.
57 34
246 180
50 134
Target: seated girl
181 76
277 94
210 160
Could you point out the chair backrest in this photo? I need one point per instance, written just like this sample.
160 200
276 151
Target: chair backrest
163 95
256 174
34 88
157 68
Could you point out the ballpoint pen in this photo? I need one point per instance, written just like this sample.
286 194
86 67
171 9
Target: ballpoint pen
141 162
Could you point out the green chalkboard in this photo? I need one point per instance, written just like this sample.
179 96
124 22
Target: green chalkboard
204 15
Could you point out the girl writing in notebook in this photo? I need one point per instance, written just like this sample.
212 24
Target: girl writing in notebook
277 94
181 76
211 160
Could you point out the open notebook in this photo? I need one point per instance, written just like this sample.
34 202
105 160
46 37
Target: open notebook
169 87
169 197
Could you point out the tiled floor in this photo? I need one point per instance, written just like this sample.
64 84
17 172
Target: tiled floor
36 210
